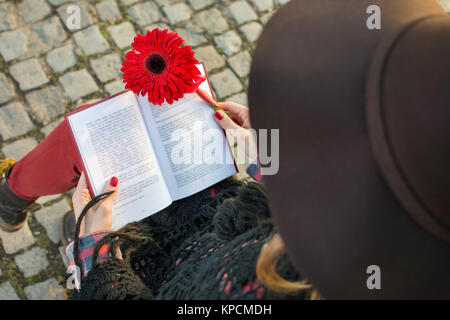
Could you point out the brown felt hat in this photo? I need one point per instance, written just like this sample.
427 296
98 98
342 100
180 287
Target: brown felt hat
364 119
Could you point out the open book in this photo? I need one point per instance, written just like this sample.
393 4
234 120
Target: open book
159 153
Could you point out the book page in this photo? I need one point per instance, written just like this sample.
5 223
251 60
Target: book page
191 147
113 141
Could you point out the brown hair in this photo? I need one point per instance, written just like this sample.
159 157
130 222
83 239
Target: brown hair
267 274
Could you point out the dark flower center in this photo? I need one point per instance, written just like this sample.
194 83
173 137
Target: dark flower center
155 64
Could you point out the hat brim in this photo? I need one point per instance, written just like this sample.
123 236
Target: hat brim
330 202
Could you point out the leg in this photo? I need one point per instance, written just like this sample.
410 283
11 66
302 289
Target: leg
54 166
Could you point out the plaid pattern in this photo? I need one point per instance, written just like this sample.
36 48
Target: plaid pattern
87 246
254 171
89 242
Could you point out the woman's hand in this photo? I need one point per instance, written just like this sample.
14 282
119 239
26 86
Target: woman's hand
241 132
99 217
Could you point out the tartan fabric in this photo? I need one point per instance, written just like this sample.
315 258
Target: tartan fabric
87 246
89 242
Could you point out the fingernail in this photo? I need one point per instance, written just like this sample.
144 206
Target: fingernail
114 181
218 114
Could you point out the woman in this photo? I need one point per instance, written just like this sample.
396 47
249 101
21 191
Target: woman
202 247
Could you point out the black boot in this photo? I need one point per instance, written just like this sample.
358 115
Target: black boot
67 228
13 209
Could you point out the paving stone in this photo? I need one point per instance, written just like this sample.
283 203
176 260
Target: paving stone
8 18
28 74
108 10
200 4
225 83
209 55
62 252
57 2
128 2
50 218
46 290
45 199
85 18
122 34
13 44
46 104
240 98
262 5
14 121
6 89
7 292
18 149
15 241
107 67
229 42
251 31
91 40
240 63
50 31
242 12
282 2
167 2
159 25
49 128
33 10
78 84
445 4
177 13
60 59
266 17
211 21
115 87
191 36
32 262
144 13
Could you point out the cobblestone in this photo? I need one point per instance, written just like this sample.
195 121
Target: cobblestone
229 42
209 55
46 290
19 148
13 44
85 18
62 58
6 89
8 19
144 13
46 104
50 31
91 41
7 292
50 218
211 21
78 84
240 63
32 262
225 83
115 87
107 67
15 241
33 10
242 12
108 11
122 34
251 31
29 74
177 13
14 121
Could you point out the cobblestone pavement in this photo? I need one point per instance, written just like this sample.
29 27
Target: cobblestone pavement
46 70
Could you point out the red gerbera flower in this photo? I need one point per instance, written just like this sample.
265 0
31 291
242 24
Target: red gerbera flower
159 67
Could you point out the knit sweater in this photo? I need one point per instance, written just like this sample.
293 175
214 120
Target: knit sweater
202 247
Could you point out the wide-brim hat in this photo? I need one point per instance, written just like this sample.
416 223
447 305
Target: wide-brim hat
363 187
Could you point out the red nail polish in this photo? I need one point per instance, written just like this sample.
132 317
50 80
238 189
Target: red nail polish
114 181
218 115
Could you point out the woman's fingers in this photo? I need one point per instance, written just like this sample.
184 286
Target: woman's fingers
238 112
225 122
111 185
